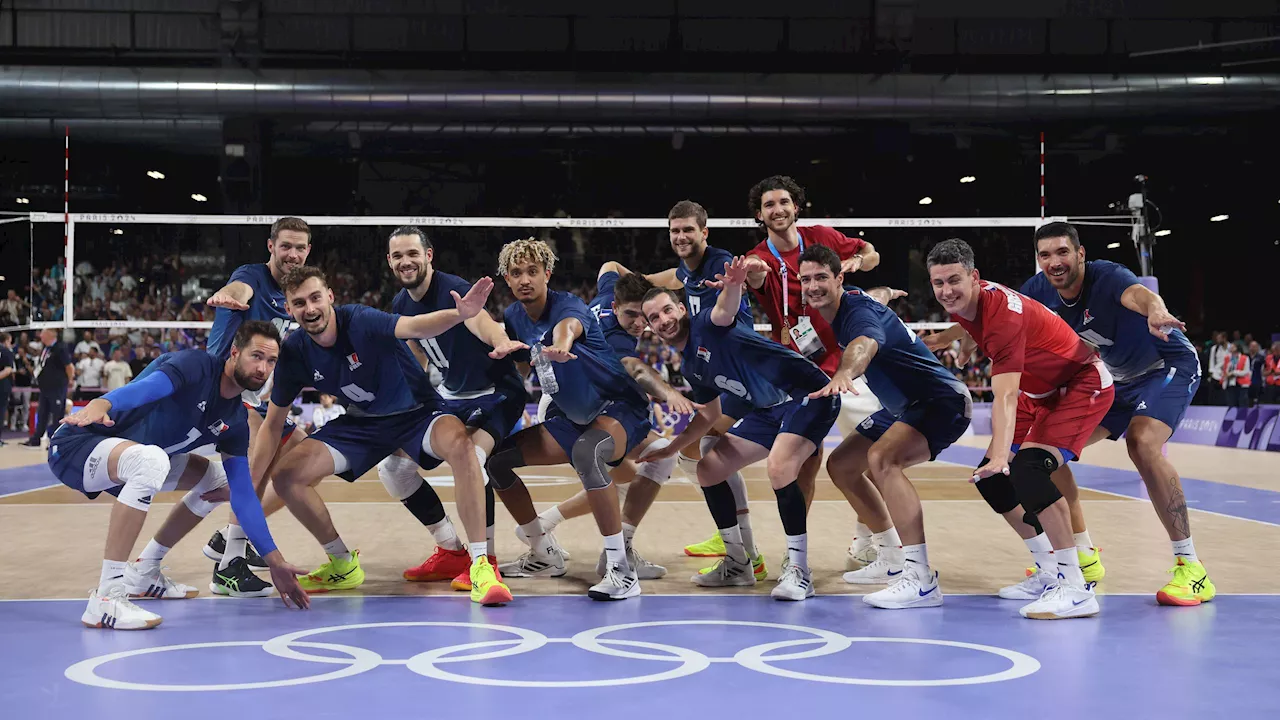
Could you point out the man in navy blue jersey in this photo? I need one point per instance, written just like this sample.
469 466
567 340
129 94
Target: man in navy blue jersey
785 425
480 387
597 417
357 354
1156 372
137 440
253 293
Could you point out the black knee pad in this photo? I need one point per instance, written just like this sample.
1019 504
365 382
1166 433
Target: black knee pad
502 464
591 453
1031 469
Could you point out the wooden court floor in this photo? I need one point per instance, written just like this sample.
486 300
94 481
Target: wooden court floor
62 532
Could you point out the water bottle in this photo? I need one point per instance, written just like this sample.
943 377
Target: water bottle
546 373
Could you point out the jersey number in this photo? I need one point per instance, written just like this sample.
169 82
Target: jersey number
695 304
192 435
732 386
434 354
357 393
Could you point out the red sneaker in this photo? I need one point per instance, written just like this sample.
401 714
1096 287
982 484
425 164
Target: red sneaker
463 580
442 565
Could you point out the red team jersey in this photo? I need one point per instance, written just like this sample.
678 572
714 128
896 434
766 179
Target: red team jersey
770 293
1066 389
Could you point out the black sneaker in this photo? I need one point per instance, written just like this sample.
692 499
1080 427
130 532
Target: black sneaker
218 545
238 581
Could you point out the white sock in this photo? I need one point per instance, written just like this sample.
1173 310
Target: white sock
237 545
1069 567
338 549
628 532
748 537
798 550
538 540
154 552
1084 542
916 557
445 535
615 550
488 541
733 544
550 519
1042 550
1185 549
112 574
478 549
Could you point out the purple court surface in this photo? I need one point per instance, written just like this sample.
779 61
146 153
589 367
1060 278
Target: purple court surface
669 656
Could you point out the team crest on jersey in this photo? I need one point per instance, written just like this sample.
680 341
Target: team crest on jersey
202 405
219 427
1088 317
353 362
704 354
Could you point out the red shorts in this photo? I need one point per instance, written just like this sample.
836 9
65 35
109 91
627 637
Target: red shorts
1065 419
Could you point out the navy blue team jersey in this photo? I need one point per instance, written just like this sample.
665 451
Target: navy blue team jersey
698 296
461 357
266 304
597 377
739 361
903 370
368 369
195 414
1127 347
623 344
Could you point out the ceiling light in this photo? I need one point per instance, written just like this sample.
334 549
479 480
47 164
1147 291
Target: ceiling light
155 174
1163 233
198 197
968 179
926 200
22 201
1113 246
1218 218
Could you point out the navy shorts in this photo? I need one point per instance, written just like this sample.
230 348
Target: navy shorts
495 414
1163 395
808 418
941 421
289 424
69 455
635 420
732 406
365 441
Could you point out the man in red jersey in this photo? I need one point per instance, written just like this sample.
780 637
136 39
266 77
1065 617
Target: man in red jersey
1051 391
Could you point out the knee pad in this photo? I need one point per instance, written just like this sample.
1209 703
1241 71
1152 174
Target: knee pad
502 464
142 469
215 476
658 471
1031 469
591 452
399 476
998 491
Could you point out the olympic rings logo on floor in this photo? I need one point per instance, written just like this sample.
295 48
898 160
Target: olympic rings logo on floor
433 663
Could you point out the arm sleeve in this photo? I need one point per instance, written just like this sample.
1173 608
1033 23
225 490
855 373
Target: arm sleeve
1005 333
245 504
149 389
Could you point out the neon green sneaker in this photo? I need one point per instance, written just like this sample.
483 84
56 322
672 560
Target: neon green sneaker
712 547
1090 565
757 566
334 575
1190 585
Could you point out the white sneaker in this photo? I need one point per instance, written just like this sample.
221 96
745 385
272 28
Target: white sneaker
879 572
616 585
532 564
913 589
796 584
727 573
1060 602
113 611
551 537
644 569
1031 588
145 583
861 553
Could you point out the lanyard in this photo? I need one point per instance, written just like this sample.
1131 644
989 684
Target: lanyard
782 270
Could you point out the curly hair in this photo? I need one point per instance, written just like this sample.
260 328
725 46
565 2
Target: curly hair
774 182
526 250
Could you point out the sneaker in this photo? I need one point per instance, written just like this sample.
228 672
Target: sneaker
1060 602
913 589
644 569
1090 565
463 580
486 588
334 575
616 585
532 564
1190 585
442 565
758 568
147 581
238 581
218 545
879 572
551 536
726 573
711 547
1031 588
861 553
796 583
113 611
